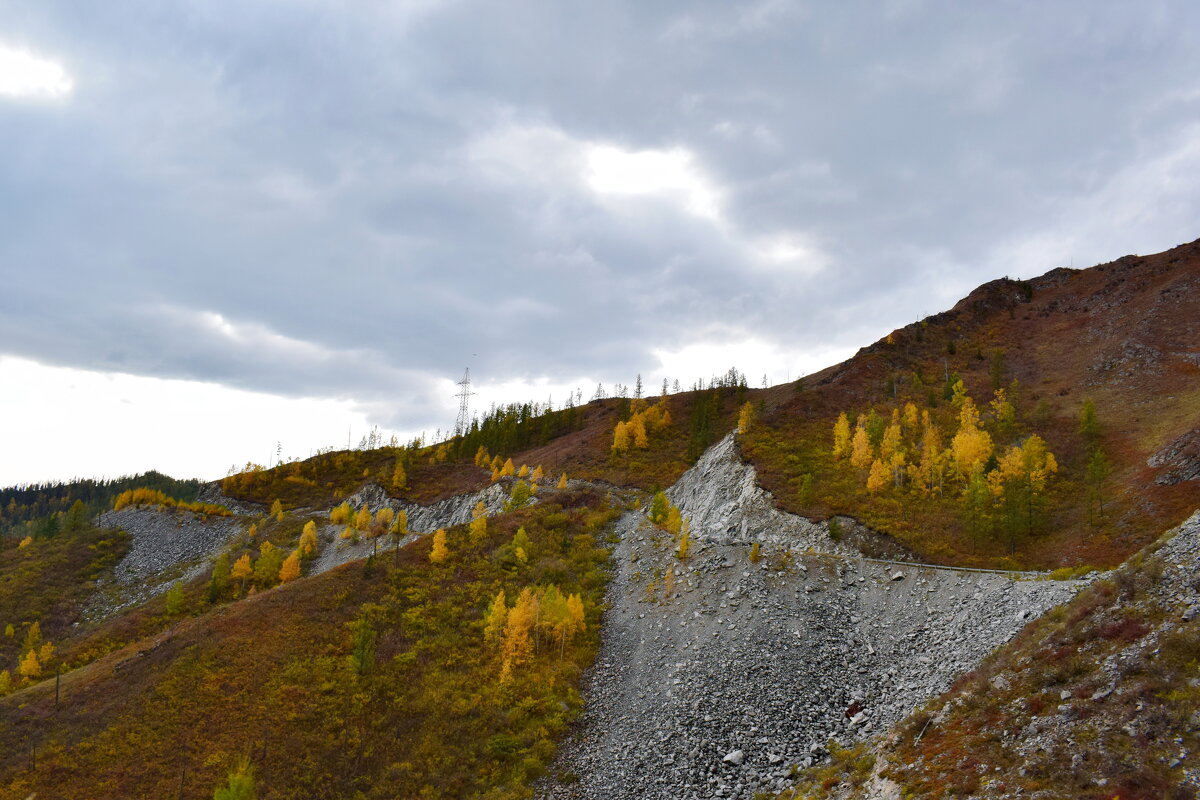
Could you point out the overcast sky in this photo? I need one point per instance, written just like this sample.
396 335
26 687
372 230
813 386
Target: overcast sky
229 224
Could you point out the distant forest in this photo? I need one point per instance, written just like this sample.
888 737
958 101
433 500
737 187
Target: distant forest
37 509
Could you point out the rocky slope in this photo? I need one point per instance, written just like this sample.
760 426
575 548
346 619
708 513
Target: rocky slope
165 546
717 674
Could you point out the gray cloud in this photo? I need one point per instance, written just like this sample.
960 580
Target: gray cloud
316 199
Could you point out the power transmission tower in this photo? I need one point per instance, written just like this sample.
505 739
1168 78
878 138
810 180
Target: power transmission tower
463 423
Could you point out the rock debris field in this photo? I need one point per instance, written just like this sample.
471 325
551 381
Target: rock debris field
716 680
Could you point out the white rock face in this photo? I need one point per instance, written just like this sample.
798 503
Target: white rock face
721 497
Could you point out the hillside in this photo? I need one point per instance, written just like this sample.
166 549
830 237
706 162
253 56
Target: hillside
1121 338
418 620
1098 699
371 680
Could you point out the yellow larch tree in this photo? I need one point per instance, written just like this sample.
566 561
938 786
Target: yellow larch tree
478 529
562 482
362 520
340 515
29 667
972 445
523 472
841 435
290 570
494 620
241 569
399 478
745 417
508 469
308 540
892 442
516 645
538 474
481 457
911 418
439 552
860 449
620 438
637 430
878 479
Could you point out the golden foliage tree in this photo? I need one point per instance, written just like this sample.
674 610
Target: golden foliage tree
30 668
290 570
516 644
362 520
439 553
878 479
478 528
507 470
241 569
637 430
841 435
538 474
620 438
481 457
860 449
399 478
562 481
971 446
494 620
308 539
340 515
745 417
523 472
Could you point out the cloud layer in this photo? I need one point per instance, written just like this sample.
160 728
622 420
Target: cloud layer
352 202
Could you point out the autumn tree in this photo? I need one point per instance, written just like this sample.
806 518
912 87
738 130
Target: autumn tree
1020 481
29 667
516 645
971 446
481 457
478 527
242 570
340 515
538 474
841 435
685 541
745 417
362 520
519 497
659 506
277 510
495 618
860 449
507 470
308 540
266 568
439 553
878 478
290 569
399 530
562 482
620 438
399 478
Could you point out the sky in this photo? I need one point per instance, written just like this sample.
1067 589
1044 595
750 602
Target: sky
230 230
